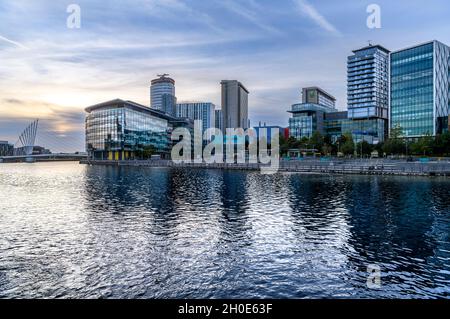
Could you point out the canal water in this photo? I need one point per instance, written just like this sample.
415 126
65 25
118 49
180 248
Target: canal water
76 231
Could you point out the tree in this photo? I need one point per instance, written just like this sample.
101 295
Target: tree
365 147
148 151
395 145
316 141
347 144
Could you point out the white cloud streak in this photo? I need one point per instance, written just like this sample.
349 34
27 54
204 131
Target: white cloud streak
306 8
17 44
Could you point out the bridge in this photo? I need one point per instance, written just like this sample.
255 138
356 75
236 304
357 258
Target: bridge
24 148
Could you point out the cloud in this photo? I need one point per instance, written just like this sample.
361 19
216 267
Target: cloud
17 44
249 15
315 15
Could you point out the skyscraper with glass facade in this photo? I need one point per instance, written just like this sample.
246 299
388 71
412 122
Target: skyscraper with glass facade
420 89
368 93
162 95
203 111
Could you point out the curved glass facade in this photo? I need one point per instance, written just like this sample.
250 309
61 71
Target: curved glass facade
120 132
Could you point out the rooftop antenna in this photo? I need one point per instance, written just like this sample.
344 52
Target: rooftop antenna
370 43
163 75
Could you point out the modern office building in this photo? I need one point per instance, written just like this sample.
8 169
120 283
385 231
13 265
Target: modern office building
315 95
203 111
162 95
234 105
122 130
368 93
218 119
265 131
420 89
6 149
308 117
335 124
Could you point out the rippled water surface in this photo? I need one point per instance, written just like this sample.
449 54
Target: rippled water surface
68 230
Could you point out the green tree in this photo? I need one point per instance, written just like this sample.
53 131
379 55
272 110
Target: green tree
395 145
316 141
347 145
365 148
148 151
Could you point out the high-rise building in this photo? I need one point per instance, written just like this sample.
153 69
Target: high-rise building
234 105
162 95
368 93
420 95
219 119
308 117
203 111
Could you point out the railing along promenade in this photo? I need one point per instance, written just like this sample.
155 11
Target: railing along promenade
333 166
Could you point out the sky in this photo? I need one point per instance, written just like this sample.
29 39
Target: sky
52 72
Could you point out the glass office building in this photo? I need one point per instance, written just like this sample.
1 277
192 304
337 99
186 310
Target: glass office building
368 94
203 111
368 83
6 149
121 130
420 89
308 117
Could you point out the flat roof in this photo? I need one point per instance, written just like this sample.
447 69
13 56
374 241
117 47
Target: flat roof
321 91
416 46
382 48
239 83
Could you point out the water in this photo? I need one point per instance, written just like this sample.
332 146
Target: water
74 231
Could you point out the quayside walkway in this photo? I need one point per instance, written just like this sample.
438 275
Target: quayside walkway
363 167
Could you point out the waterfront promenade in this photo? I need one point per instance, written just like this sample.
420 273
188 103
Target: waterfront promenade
314 166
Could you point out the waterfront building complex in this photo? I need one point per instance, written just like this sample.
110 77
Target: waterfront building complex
234 104
203 111
409 88
420 89
162 95
122 130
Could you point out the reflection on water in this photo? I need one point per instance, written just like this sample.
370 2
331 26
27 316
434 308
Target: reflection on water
68 230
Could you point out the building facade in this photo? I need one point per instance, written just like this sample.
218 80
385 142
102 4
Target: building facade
420 89
218 119
308 117
162 95
6 149
122 130
265 131
368 93
335 124
203 111
234 105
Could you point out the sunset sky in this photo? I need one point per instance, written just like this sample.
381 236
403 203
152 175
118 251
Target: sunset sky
51 72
